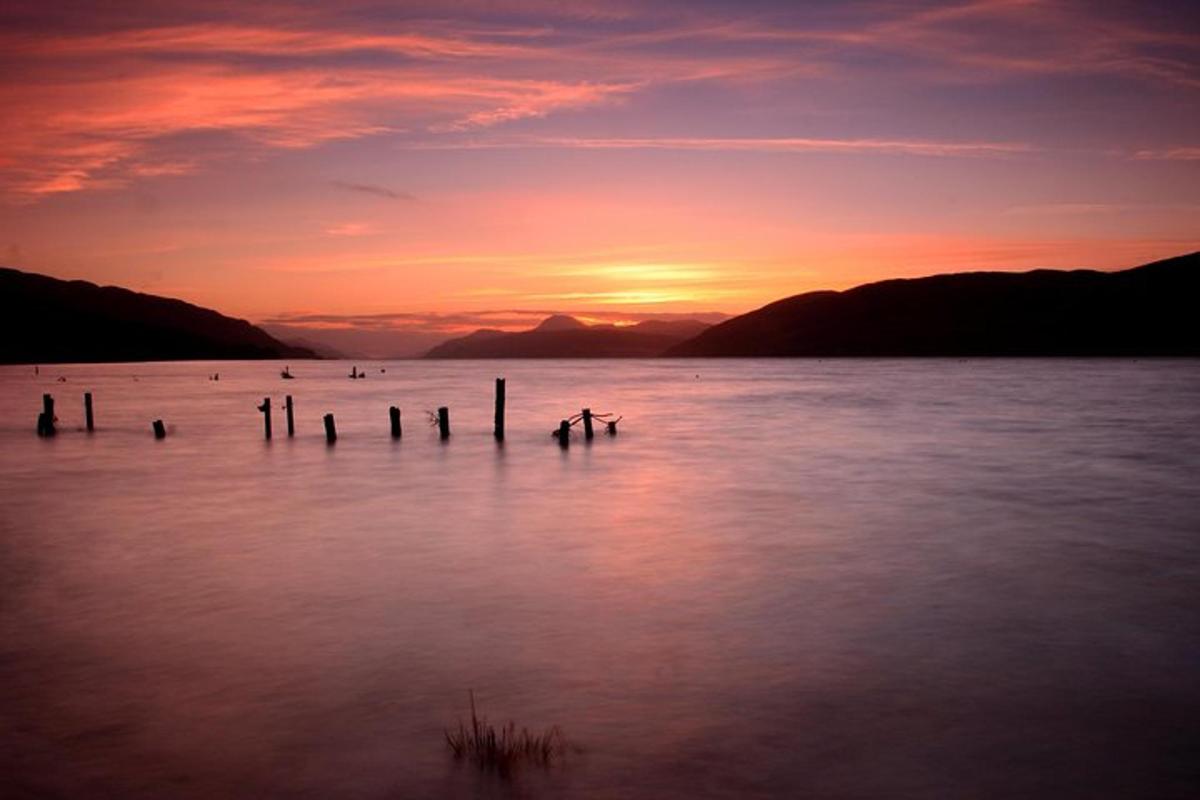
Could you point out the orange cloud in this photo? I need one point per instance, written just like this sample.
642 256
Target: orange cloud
350 229
100 122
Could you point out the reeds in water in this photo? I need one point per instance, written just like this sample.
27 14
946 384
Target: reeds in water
503 749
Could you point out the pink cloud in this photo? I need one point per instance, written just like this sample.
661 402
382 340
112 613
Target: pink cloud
1169 154
98 106
758 145
350 229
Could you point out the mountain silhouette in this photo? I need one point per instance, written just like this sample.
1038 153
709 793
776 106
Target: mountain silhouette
1144 311
560 322
46 320
561 336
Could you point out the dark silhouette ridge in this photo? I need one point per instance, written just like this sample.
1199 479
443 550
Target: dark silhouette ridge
46 320
561 336
1144 311
560 322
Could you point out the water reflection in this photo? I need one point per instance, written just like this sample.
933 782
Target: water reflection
851 579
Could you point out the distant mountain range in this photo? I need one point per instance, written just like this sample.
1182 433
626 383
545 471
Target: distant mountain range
46 320
561 336
380 343
1145 311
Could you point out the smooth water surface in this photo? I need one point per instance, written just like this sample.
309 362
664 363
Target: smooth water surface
790 578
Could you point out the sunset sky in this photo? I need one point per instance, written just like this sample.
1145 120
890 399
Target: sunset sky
443 164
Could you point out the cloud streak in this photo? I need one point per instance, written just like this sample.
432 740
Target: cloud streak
750 145
1169 154
370 188
102 106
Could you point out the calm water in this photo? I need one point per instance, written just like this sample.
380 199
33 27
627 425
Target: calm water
850 579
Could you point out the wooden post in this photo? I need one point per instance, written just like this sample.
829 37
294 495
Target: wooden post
160 430
444 422
287 404
499 428
87 412
266 409
330 430
612 428
46 418
564 434
394 414
588 433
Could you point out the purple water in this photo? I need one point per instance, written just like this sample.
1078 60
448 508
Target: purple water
821 579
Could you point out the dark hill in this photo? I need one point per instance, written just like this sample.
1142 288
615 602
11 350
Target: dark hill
565 337
1148 310
560 322
46 320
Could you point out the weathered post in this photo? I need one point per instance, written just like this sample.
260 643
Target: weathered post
160 430
564 434
46 418
87 412
287 404
330 430
588 433
612 428
394 414
444 422
499 428
266 409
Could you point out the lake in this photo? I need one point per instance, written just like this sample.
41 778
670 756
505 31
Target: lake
782 578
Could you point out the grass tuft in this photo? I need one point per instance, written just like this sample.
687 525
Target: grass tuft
502 750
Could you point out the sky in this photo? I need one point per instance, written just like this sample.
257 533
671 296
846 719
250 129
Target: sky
439 166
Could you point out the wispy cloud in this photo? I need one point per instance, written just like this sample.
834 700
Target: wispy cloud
752 144
370 188
102 109
999 39
1169 154
1061 209
105 104
350 229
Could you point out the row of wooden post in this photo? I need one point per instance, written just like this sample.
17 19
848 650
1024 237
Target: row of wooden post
443 418
46 420
589 432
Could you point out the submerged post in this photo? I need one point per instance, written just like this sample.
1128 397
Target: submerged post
394 414
499 429
588 433
612 428
444 422
287 404
330 430
266 409
160 430
87 412
45 425
564 434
